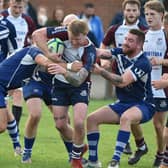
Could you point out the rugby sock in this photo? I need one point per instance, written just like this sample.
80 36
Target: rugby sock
93 139
76 151
165 158
17 112
13 133
122 140
28 142
68 145
140 143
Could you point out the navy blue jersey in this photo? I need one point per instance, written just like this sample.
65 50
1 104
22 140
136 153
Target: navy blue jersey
43 77
19 68
7 38
141 70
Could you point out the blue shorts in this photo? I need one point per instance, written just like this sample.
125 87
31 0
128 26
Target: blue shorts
161 104
147 109
3 94
64 94
37 89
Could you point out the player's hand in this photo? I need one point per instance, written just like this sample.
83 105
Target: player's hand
160 84
56 69
76 66
97 69
107 64
55 57
156 61
103 53
165 76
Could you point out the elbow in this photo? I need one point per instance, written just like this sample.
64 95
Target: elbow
39 34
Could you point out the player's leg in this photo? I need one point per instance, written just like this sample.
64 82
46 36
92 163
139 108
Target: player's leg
103 115
79 99
140 144
34 106
13 133
34 92
17 105
158 122
164 163
79 117
3 112
135 114
3 119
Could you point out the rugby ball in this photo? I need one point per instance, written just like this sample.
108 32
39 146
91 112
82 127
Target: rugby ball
56 45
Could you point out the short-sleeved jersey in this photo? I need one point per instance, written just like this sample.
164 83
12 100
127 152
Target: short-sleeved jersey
17 69
116 33
24 26
7 38
140 68
86 54
155 45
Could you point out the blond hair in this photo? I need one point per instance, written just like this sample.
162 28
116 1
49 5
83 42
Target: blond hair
78 27
155 5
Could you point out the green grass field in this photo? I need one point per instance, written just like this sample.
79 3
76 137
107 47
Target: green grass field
49 151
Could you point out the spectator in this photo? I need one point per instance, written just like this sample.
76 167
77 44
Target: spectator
31 11
57 17
94 22
42 17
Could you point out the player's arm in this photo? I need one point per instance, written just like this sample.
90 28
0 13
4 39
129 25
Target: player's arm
158 61
74 78
40 39
40 59
161 83
117 80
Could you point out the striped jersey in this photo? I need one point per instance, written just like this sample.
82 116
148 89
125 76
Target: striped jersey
140 68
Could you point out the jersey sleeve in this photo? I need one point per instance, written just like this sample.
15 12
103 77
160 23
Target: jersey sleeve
141 68
33 52
89 57
57 32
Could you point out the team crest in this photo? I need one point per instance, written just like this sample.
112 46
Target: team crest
159 41
83 93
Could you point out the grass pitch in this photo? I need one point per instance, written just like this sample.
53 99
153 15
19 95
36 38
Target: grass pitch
49 151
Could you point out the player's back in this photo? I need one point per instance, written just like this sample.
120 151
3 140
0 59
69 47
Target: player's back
18 67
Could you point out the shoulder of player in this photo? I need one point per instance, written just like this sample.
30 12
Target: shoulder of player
113 28
143 27
5 13
34 51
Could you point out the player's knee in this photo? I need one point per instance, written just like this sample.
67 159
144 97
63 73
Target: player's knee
125 120
60 126
79 125
35 117
91 119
